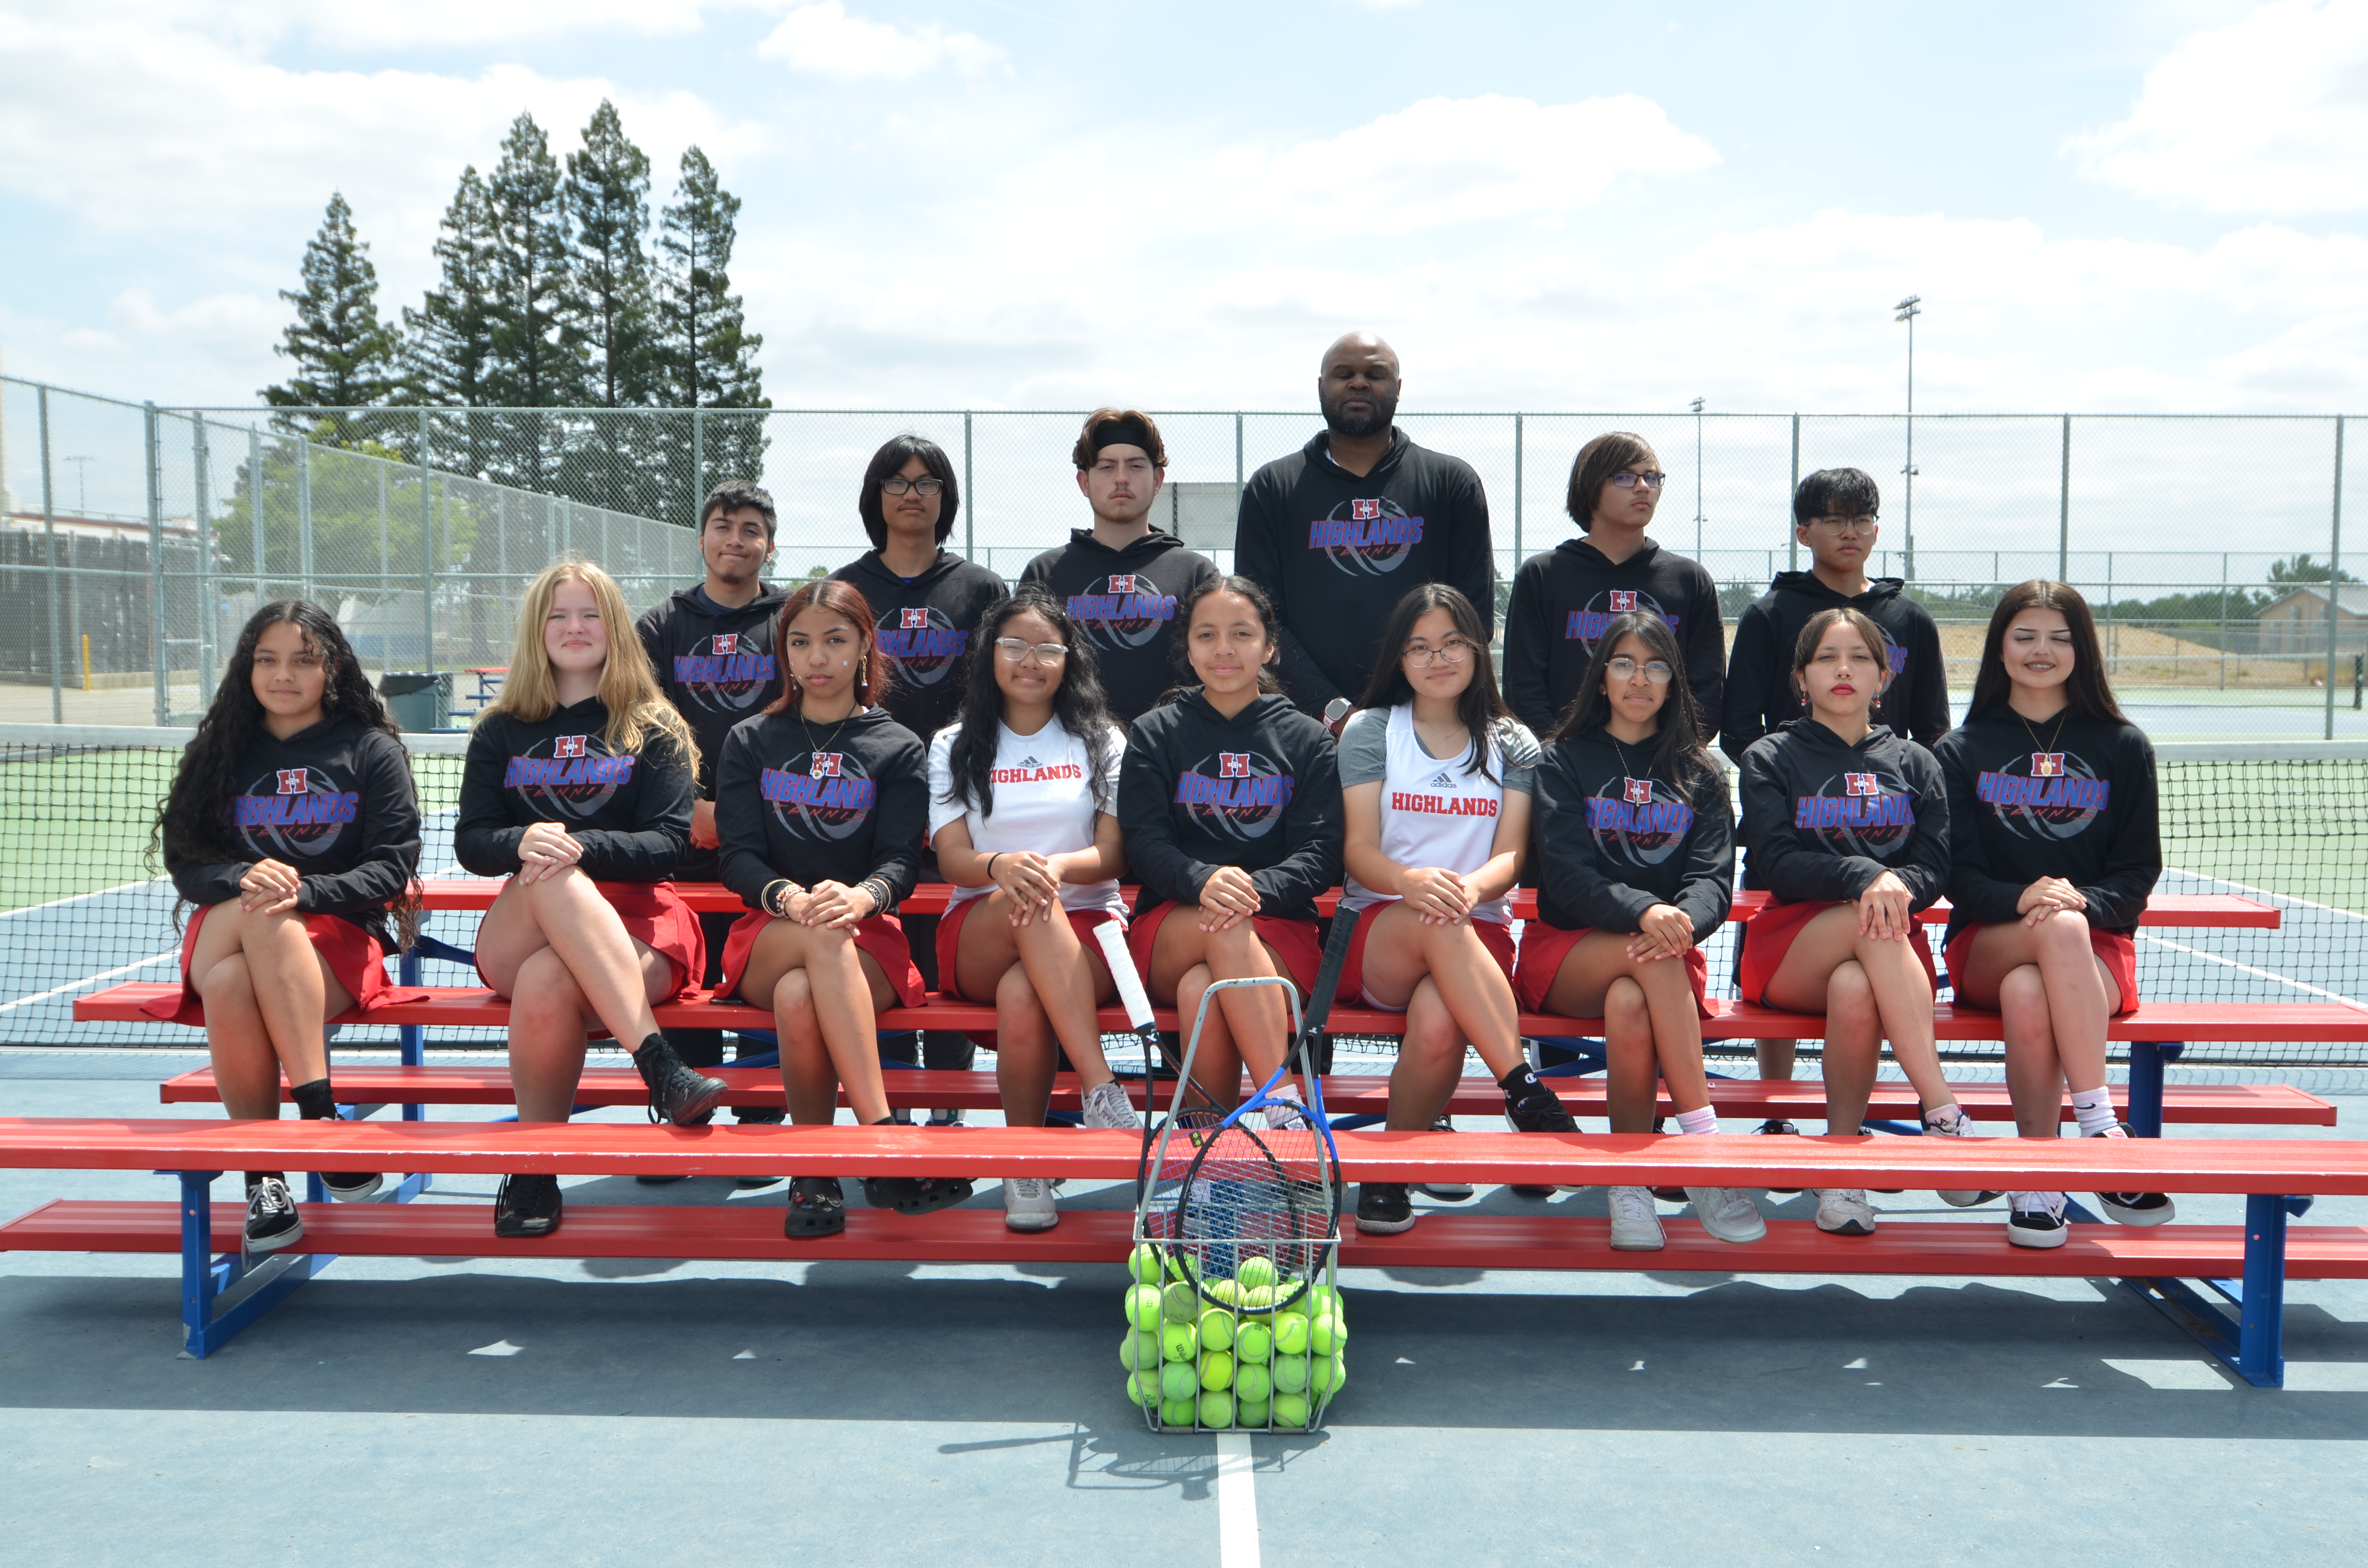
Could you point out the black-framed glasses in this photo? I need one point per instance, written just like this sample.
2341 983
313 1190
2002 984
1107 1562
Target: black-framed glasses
1844 524
1621 667
1651 479
1449 652
898 484
1015 650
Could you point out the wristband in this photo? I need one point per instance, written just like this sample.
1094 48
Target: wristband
990 863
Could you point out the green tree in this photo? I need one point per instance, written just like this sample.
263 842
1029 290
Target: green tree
451 337
607 193
708 354
2303 569
537 360
344 357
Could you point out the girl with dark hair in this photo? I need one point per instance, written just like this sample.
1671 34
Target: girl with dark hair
1636 848
821 802
1846 827
1230 801
1023 803
1435 790
292 826
2054 848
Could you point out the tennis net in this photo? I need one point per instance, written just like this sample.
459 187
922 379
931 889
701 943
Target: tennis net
83 906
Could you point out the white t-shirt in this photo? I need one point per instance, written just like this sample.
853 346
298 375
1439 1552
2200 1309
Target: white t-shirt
1046 800
1434 813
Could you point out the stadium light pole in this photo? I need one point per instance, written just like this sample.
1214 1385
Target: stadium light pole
1907 309
1698 488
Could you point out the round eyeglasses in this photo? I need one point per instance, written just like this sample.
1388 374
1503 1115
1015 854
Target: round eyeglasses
1014 650
1622 667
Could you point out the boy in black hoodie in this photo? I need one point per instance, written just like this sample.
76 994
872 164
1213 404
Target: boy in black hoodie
711 646
926 602
1122 579
1564 598
1339 530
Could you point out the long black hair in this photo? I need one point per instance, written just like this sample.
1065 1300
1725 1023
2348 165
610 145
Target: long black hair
1078 703
1678 748
1481 707
1187 678
2087 689
193 822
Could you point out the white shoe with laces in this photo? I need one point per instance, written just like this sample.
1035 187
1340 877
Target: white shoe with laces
1108 1107
1027 1204
1844 1212
1728 1213
1950 1121
1634 1225
2036 1220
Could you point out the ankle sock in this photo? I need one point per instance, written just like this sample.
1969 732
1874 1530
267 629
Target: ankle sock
2095 1109
1696 1121
313 1101
1522 1083
1950 1116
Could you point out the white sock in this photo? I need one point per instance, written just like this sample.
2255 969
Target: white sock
2095 1109
1702 1120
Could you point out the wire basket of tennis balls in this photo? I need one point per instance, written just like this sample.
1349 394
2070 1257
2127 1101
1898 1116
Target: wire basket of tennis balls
1210 1352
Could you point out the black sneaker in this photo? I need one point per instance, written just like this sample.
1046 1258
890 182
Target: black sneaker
2134 1208
527 1206
916 1194
1542 1112
679 1093
351 1186
272 1221
660 1179
1776 1126
2036 1220
817 1207
1384 1209
1446 1189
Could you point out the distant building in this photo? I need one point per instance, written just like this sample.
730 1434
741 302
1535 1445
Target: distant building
2296 624
1200 512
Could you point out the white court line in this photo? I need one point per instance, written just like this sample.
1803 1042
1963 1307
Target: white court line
2248 968
1237 1531
85 979
2264 893
77 898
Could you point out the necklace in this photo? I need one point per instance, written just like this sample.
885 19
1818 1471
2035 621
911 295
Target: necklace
816 768
1630 782
2046 761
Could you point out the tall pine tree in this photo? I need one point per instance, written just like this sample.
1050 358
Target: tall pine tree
611 303
709 357
344 356
450 351
538 361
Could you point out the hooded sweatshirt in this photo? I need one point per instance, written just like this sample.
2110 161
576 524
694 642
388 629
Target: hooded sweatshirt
630 811
1823 818
2026 801
1129 602
1759 691
926 626
335 802
1562 599
1337 551
1260 790
716 665
822 802
1615 836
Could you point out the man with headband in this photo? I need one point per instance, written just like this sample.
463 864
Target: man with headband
1122 579
1337 532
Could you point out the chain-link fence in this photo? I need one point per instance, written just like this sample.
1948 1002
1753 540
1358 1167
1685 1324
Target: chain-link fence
136 538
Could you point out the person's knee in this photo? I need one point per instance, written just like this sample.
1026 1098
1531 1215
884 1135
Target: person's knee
1016 999
794 993
1624 1002
2063 935
228 983
546 989
1850 993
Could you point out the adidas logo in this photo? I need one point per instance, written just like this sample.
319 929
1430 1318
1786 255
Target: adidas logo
1441 782
1029 762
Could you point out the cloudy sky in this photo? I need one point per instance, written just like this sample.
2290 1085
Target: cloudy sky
2145 206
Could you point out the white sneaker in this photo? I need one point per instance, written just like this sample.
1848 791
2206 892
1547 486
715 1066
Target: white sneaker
1728 1213
1959 1125
1844 1212
1027 1204
1107 1106
1634 1226
2036 1220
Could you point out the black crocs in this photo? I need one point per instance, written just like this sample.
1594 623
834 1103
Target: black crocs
916 1194
817 1207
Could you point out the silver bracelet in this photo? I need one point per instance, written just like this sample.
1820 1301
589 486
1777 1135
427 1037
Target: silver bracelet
878 888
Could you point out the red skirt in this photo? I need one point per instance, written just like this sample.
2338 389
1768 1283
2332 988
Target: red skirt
950 927
2116 951
1495 936
352 954
655 915
1768 936
881 935
1544 947
1294 942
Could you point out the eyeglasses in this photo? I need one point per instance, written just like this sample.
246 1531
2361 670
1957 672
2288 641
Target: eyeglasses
1453 653
1844 524
1622 667
1651 479
900 485
1014 650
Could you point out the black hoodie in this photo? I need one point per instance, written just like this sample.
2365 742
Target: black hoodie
632 813
926 626
1129 602
1336 551
1260 790
716 664
1561 602
2084 810
334 803
1823 818
822 802
1614 837
1759 691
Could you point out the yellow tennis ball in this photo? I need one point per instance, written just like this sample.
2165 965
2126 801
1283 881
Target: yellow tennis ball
1249 1411
1216 1329
1290 1411
1291 1336
1178 1341
1182 1302
1177 1412
1142 1306
1142 1387
1139 1352
1256 1271
1216 1408
1253 1342
1252 1384
1290 1375
1327 1373
1325 1336
1179 1382
1145 1264
1216 1370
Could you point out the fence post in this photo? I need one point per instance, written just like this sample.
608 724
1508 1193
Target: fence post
2224 620
1516 495
201 474
305 514
384 565
2063 511
1792 534
1238 468
155 555
970 498
50 534
698 454
427 562
255 503
2334 574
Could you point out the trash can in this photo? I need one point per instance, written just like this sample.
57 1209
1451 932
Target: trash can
419 701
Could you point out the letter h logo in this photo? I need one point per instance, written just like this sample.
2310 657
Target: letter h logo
912 620
1623 601
569 745
291 780
725 643
1861 784
1233 764
1364 511
825 765
1639 791
1123 584
2047 764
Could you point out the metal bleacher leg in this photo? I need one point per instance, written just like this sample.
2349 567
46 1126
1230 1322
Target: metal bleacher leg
2260 1346
204 1279
2146 1058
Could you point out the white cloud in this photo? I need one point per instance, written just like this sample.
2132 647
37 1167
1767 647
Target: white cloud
437 24
824 41
2269 114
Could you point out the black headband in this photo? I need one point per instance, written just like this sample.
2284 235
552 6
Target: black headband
1129 431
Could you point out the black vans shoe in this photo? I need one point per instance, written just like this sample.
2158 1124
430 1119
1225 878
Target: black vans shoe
272 1221
1384 1209
527 1206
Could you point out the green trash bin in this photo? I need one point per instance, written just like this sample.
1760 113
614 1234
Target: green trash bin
419 701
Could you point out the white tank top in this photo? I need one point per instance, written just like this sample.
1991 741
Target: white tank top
1436 813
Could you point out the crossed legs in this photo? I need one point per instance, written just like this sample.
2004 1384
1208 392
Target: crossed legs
1046 984
825 994
1453 993
1867 987
556 950
2054 997
1652 1027
268 995
1246 1027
